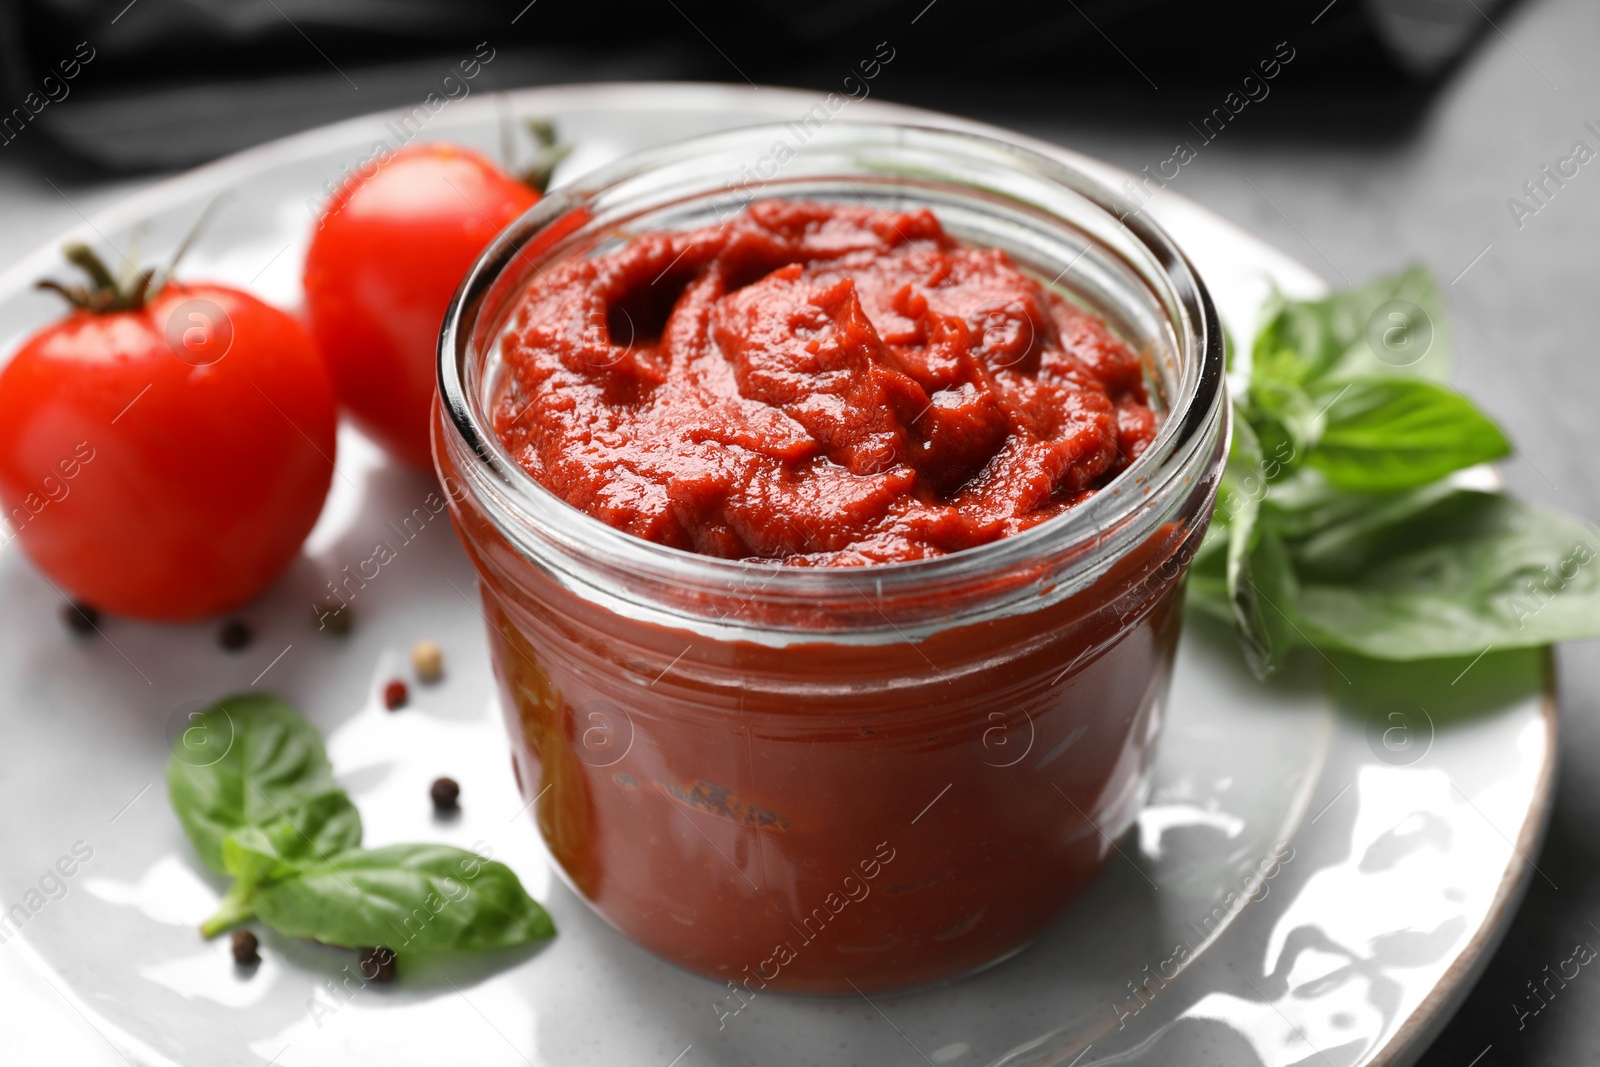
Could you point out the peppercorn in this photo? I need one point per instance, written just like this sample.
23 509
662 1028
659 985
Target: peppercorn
333 616
233 636
427 659
377 965
446 794
246 948
80 618
395 695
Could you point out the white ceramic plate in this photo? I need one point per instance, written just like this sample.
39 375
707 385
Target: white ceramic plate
1308 884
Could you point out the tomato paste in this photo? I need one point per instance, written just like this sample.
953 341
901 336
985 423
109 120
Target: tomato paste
737 778
815 383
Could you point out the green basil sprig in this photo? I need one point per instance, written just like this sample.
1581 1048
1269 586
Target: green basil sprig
1337 524
251 783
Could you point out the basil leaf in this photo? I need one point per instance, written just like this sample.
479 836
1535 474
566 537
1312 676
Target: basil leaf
1286 420
1471 572
1342 544
1256 570
1263 591
1388 434
1393 326
271 768
1439 685
411 899
253 853
1244 484
1304 504
251 857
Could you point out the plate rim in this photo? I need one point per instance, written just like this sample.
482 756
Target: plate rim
1419 1029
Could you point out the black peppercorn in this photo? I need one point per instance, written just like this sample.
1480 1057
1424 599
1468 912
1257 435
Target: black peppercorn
446 793
332 616
80 618
233 636
377 965
246 949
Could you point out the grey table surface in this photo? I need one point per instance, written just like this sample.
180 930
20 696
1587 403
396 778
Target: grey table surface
1354 185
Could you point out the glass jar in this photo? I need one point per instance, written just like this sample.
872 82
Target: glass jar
808 779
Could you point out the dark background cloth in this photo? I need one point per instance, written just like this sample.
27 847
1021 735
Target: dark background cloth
1403 130
177 82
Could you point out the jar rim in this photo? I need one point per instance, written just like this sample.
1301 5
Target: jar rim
536 519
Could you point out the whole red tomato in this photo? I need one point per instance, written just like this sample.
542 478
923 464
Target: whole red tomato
164 456
384 262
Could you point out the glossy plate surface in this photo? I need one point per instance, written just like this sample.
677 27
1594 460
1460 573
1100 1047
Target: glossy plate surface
1314 881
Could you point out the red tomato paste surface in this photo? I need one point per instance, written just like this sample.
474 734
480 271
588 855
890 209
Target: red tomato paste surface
818 384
